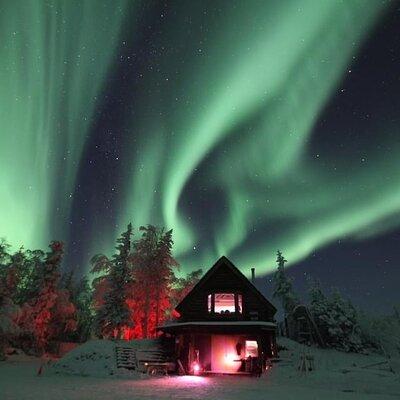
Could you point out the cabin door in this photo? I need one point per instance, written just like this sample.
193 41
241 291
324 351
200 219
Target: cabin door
224 353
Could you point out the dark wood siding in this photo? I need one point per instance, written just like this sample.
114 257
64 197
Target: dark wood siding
224 280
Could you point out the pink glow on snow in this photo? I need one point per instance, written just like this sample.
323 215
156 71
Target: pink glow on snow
200 380
176 382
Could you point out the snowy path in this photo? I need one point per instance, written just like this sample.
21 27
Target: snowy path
18 381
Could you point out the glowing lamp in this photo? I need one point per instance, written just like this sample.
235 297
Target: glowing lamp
196 368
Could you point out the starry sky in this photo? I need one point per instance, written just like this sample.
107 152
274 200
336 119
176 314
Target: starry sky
245 126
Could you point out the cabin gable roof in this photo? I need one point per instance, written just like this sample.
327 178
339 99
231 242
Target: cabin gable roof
240 280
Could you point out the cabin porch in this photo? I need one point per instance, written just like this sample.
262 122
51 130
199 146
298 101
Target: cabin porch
234 347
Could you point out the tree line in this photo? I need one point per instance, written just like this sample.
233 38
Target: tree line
341 325
125 296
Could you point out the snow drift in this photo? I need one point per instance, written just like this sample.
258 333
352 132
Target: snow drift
97 358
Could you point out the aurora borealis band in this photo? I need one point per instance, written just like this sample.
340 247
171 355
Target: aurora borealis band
228 121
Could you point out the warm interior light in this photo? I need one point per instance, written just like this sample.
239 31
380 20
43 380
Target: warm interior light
224 353
230 358
251 348
224 303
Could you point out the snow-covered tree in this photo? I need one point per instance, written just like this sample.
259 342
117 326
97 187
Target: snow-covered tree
319 307
283 286
336 319
180 287
153 269
48 316
164 264
381 332
112 311
7 327
27 267
5 255
81 297
344 330
396 313
145 271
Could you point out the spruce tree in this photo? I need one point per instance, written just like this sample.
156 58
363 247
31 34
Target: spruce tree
84 311
153 268
164 262
5 255
81 297
113 314
145 272
344 330
283 286
319 308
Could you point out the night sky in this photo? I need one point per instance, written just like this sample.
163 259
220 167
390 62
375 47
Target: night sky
245 126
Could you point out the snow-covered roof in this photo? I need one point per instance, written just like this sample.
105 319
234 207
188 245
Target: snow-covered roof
219 323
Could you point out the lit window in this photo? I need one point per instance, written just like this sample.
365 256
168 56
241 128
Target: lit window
251 348
224 303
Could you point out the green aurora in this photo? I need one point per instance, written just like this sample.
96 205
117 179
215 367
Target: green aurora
226 104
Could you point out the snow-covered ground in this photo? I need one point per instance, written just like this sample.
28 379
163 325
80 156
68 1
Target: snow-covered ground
337 376
96 358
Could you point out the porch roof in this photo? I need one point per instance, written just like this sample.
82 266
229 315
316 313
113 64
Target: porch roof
264 325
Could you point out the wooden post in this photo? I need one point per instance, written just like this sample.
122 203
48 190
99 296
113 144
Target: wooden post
191 352
261 352
236 302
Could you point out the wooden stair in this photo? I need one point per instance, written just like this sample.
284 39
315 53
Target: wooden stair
152 356
126 357
155 359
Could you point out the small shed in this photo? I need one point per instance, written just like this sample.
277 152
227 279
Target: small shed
225 325
301 327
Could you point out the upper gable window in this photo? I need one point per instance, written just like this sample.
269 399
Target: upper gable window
224 303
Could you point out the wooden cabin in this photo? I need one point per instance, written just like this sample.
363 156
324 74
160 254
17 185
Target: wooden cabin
225 325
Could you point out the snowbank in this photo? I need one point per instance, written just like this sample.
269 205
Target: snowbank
94 358
97 358
338 371
337 376
330 359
